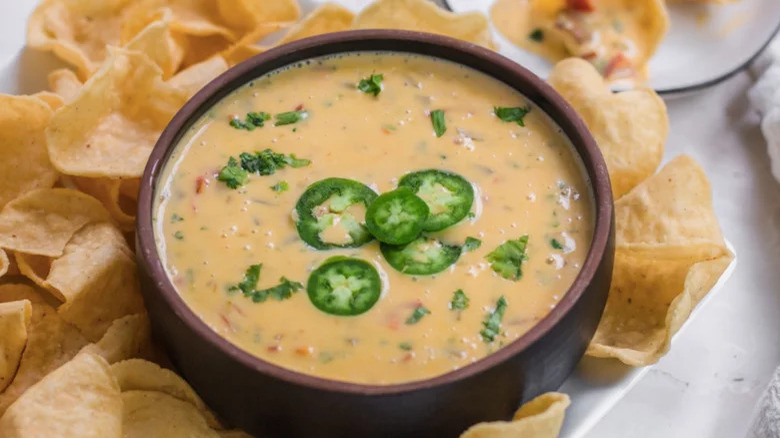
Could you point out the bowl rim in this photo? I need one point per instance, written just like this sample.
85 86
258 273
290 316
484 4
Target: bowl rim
579 136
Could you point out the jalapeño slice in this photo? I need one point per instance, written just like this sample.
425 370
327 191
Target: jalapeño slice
423 256
397 217
344 286
330 214
449 196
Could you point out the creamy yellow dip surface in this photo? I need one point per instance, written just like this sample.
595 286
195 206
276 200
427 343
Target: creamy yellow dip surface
527 180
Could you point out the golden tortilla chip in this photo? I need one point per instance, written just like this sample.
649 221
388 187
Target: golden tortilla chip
152 414
65 83
77 31
247 46
541 417
195 77
630 127
329 17
14 320
669 254
43 221
671 214
50 342
198 49
250 14
96 279
79 399
127 337
108 191
110 128
53 100
425 16
142 375
4 262
25 164
157 42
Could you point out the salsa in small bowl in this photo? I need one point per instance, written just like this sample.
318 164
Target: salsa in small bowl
407 227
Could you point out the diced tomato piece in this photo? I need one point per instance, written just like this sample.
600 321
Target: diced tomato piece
299 107
618 63
581 5
200 184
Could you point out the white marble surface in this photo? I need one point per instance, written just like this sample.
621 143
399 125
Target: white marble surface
708 384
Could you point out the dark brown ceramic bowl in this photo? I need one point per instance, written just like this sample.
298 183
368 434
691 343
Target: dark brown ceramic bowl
268 400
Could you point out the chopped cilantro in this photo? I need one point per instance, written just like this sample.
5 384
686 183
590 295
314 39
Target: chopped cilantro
178 235
507 260
371 84
555 244
417 315
282 291
266 162
471 244
516 114
232 174
492 322
459 300
439 125
176 218
290 117
537 35
405 346
281 186
253 120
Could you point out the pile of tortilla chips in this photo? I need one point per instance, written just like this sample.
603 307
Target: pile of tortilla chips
76 357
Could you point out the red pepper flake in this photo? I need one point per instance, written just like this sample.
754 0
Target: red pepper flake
408 356
299 107
200 184
304 351
385 130
618 63
581 5
274 348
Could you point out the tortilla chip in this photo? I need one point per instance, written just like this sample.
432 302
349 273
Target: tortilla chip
195 77
77 31
107 190
329 17
4 262
65 83
53 100
152 414
14 320
25 162
50 342
541 417
249 14
425 16
110 128
96 279
671 214
142 375
126 338
240 52
79 399
630 127
157 42
43 221
669 254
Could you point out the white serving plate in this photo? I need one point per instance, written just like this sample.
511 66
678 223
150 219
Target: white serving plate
706 44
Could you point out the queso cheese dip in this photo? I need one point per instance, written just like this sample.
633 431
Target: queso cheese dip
270 208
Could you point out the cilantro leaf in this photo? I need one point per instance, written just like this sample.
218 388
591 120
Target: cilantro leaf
280 292
507 259
439 124
471 244
281 186
371 84
555 244
417 315
459 300
253 120
290 117
405 346
296 162
251 277
492 322
232 174
537 35
516 114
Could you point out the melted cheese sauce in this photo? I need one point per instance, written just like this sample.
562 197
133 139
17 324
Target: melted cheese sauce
527 179
615 36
